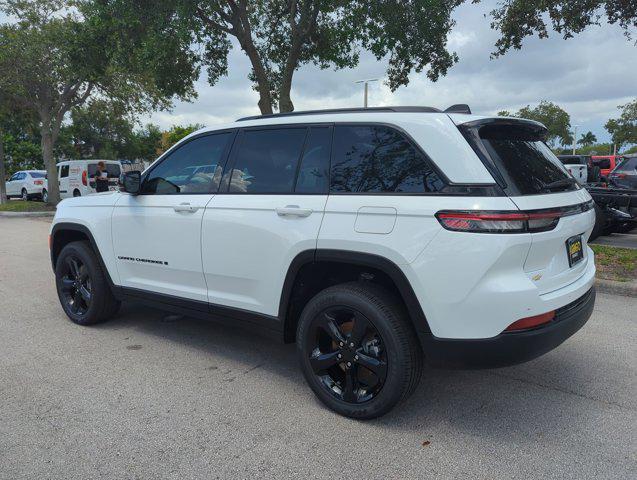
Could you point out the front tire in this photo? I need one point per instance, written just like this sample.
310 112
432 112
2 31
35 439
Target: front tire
82 286
45 196
357 349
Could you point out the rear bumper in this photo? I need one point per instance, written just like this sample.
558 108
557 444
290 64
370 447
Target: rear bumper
511 348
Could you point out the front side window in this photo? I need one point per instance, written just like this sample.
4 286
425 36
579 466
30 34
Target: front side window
601 162
14 177
379 159
194 167
267 160
112 170
64 171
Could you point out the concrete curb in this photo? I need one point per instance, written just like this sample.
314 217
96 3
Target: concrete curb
628 289
26 214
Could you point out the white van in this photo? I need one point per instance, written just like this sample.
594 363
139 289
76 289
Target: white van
77 177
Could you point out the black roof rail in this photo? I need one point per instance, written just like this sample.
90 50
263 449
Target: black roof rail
345 110
459 108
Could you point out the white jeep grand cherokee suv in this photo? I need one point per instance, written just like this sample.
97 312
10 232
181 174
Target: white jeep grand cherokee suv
374 239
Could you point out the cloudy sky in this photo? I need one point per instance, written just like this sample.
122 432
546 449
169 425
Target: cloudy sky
589 76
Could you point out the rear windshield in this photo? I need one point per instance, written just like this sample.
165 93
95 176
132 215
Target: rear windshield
37 174
112 169
524 163
627 165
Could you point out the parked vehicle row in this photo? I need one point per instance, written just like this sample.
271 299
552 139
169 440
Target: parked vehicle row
76 178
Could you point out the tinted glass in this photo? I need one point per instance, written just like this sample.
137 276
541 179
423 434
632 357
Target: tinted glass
267 160
379 159
194 167
64 172
112 169
628 165
315 164
527 164
37 174
601 162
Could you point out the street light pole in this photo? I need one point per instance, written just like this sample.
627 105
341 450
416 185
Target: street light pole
575 138
365 82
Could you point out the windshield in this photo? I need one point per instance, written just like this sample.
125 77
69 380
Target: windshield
112 169
519 156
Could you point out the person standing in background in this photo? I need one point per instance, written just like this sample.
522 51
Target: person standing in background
101 178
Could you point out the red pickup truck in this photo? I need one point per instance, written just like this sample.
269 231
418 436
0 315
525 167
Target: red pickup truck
606 163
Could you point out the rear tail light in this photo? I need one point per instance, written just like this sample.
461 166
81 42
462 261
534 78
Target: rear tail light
480 221
531 322
38 182
84 178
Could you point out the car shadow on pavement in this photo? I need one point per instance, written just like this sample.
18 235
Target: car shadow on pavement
495 405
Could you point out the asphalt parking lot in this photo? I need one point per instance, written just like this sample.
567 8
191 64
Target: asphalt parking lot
623 240
153 396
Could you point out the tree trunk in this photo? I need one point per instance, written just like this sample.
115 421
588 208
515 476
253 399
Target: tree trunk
53 184
285 101
3 173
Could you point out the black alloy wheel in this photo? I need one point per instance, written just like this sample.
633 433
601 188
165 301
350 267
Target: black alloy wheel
76 285
358 349
347 354
83 286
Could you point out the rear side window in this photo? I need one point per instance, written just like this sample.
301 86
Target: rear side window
37 174
527 166
601 162
112 169
379 159
267 160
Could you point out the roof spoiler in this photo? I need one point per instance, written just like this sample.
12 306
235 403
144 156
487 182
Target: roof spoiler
459 108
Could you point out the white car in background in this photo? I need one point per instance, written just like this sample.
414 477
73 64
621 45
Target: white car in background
26 184
77 177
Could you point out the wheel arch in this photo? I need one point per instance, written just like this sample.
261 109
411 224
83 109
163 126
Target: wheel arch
327 267
64 233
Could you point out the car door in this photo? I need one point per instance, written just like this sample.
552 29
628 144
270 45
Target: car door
157 234
64 181
268 211
12 184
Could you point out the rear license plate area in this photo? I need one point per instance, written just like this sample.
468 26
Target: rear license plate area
574 250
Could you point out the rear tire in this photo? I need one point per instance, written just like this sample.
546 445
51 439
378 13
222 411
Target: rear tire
25 194
82 285
76 193
45 196
600 224
381 369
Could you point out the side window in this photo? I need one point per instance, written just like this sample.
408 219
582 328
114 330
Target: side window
14 177
195 167
267 160
315 164
64 171
379 159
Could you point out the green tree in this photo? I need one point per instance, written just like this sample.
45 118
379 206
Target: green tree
146 143
59 54
554 118
176 133
623 130
517 19
280 36
100 129
587 139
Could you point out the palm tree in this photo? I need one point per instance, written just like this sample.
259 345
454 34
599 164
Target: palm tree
587 139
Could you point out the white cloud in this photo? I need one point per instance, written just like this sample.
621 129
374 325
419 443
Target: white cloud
588 75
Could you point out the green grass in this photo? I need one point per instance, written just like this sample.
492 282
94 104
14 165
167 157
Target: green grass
22 206
613 263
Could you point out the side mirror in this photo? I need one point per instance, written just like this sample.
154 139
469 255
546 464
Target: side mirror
130 182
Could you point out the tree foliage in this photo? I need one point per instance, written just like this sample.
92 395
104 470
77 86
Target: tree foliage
279 36
587 139
623 130
176 133
59 54
554 118
518 19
